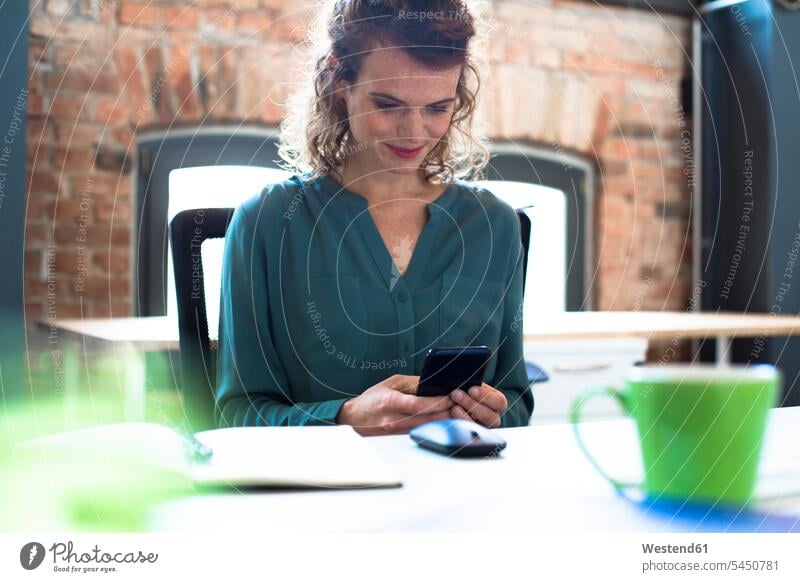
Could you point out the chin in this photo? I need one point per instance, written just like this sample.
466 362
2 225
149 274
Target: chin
402 171
402 167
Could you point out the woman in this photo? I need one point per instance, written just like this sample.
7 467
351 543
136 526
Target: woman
337 281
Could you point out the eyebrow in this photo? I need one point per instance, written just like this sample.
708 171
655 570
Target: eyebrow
401 102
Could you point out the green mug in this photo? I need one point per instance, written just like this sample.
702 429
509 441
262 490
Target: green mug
700 426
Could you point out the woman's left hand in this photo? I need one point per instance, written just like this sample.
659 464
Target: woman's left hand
482 404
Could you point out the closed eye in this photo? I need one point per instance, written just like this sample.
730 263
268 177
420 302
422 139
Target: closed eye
385 106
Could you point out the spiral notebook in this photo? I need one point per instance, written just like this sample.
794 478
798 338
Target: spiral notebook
297 457
292 456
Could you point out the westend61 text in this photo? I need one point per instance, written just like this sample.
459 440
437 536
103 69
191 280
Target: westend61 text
672 549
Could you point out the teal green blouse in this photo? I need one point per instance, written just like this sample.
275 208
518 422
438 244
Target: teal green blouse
313 310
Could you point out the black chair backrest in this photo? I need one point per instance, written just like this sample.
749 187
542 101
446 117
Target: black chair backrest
525 233
188 230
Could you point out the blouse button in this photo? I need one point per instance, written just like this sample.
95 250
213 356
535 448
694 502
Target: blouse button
402 296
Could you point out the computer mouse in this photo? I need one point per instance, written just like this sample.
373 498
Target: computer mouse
457 437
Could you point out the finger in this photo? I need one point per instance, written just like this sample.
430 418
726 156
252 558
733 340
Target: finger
406 424
403 383
479 412
410 404
491 397
458 412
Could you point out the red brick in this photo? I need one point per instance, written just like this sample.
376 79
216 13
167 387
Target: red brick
109 110
256 21
105 286
642 170
34 310
613 167
74 134
615 207
113 211
35 103
180 78
82 80
132 80
154 63
63 209
44 180
633 129
69 107
238 4
618 185
107 309
89 52
68 310
175 17
48 25
37 154
38 206
68 261
219 20
123 136
37 234
33 261
115 261
225 107
40 131
96 235
159 94
73 159
137 14
66 53
38 50
618 148
208 79
100 184
291 28
651 150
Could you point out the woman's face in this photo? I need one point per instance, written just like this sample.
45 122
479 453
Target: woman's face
398 111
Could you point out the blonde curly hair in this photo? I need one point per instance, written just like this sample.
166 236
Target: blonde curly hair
438 33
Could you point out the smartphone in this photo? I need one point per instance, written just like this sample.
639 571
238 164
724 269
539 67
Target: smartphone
446 369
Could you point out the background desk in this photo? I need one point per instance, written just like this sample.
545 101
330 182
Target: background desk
162 332
661 325
541 482
576 349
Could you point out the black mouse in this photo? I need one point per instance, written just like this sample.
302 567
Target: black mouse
457 437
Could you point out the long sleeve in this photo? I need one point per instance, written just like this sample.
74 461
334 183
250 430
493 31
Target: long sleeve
252 386
510 375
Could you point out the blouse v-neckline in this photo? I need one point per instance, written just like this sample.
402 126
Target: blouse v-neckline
375 243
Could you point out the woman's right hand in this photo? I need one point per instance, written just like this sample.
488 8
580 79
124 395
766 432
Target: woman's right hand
392 407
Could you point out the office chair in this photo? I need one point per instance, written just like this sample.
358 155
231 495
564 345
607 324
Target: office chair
535 373
198 354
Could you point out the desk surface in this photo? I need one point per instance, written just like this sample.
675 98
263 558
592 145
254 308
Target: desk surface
662 325
162 332
540 482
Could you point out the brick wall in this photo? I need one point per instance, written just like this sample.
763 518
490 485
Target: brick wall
595 80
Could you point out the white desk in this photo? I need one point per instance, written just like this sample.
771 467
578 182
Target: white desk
161 333
541 482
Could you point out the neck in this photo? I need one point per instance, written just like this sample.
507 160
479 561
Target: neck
380 187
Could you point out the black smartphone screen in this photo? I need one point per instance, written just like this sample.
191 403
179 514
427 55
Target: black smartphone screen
446 369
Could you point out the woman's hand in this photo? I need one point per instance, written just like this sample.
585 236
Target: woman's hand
482 404
392 407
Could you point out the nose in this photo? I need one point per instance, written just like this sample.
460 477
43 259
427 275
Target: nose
412 126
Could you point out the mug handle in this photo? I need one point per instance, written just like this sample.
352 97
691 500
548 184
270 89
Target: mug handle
574 417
